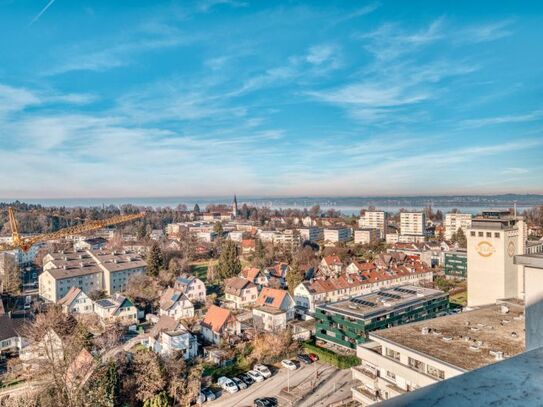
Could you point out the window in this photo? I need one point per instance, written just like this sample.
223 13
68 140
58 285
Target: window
393 354
435 372
497 235
416 364
472 233
488 234
391 375
481 234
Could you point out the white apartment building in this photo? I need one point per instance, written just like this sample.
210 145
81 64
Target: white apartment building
407 357
366 236
455 221
373 220
412 223
334 235
311 233
89 271
494 238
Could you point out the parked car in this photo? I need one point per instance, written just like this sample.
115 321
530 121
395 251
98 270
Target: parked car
313 357
240 383
255 375
304 359
208 393
246 379
289 364
201 398
263 370
266 402
227 384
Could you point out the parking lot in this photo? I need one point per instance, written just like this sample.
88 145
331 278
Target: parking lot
330 379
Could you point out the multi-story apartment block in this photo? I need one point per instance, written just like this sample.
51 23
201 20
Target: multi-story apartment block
455 221
494 238
412 223
311 233
347 323
88 270
339 234
407 357
456 264
366 236
374 220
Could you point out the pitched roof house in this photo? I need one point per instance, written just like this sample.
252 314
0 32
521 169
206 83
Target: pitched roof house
192 287
330 265
170 335
274 308
175 304
117 307
76 302
255 275
240 292
219 323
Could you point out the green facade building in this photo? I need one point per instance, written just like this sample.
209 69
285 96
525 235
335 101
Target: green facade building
456 264
347 323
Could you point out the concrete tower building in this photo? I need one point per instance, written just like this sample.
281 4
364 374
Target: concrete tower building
493 239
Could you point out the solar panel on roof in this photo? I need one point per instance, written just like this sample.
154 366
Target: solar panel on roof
269 300
363 302
389 295
175 297
405 290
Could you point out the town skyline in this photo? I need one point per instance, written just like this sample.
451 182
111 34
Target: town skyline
269 100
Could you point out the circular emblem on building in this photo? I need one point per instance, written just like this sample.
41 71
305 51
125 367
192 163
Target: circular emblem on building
485 249
511 249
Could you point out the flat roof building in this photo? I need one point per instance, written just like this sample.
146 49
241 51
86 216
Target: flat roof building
347 323
404 358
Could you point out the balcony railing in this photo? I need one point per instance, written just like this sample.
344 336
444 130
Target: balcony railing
365 372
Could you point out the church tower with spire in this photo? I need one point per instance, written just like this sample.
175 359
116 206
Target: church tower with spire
235 207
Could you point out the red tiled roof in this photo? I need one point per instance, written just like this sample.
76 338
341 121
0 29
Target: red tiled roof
250 273
332 260
216 317
271 297
248 243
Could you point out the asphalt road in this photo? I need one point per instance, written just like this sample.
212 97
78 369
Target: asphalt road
323 392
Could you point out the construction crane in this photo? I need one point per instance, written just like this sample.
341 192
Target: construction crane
25 243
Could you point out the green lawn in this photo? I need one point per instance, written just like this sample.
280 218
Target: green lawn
200 271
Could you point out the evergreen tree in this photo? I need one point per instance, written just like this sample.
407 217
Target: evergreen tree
229 264
260 253
160 400
217 228
294 276
196 208
461 238
155 260
111 385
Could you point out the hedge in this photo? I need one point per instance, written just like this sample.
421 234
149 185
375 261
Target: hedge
330 357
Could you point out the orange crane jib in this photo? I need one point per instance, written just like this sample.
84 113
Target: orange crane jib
18 242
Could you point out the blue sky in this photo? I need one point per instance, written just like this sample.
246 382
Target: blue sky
178 98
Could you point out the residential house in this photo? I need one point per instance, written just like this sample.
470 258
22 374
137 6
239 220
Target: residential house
93 243
274 309
240 292
192 287
248 246
10 341
277 275
116 308
255 275
175 304
76 302
218 324
330 265
170 335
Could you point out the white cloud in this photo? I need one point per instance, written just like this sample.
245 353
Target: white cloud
506 119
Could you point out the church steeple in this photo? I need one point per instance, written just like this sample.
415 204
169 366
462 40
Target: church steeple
235 206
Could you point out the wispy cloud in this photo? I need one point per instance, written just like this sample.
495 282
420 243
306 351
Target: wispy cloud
486 32
506 119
